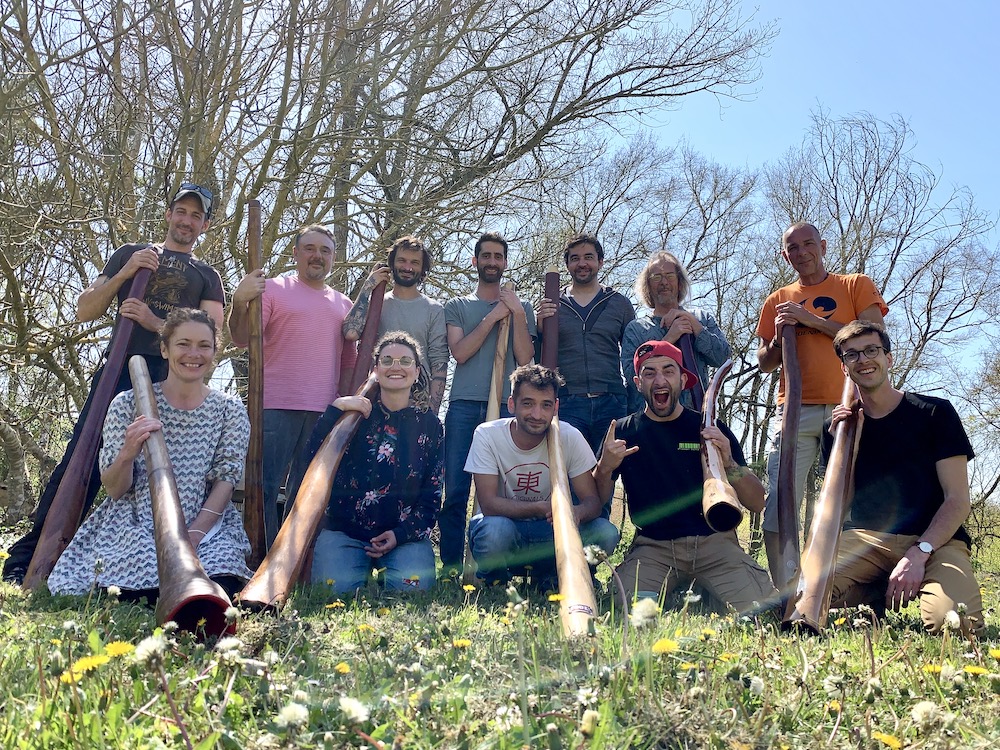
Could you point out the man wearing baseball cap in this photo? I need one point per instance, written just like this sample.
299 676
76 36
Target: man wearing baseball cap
179 280
657 453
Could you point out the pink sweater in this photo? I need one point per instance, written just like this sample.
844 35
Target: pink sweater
304 350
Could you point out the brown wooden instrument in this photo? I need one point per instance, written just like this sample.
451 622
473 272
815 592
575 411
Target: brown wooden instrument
277 575
187 595
788 522
63 518
499 367
811 603
253 482
686 342
578 605
369 337
719 502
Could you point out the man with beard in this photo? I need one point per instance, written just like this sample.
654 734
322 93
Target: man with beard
592 321
307 362
473 323
663 285
179 280
817 305
512 526
657 453
405 308
904 537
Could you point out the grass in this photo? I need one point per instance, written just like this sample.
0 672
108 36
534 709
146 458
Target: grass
458 668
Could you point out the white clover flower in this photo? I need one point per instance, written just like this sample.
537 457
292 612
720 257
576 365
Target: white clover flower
292 716
354 710
925 714
150 650
645 612
756 685
952 621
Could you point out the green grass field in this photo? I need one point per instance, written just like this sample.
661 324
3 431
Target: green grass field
465 668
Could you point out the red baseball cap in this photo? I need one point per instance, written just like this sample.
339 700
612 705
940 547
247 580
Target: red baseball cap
663 349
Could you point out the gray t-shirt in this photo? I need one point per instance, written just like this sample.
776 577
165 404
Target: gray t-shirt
471 381
422 318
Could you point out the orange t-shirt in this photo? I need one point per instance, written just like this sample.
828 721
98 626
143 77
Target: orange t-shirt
840 298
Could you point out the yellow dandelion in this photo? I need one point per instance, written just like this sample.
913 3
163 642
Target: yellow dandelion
330 581
840 621
56 641
556 597
687 666
118 648
834 706
87 663
335 605
383 611
202 622
69 676
726 656
932 668
342 668
4 554
975 669
995 653
365 628
468 588
665 646
461 643
888 740
707 634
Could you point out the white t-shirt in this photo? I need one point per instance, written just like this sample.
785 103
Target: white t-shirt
524 474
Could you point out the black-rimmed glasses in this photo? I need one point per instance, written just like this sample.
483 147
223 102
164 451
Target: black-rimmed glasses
871 351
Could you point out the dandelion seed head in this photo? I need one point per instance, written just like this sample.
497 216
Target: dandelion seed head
292 716
355 712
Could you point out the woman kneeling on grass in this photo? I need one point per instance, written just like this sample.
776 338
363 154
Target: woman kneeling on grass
206 433
388 488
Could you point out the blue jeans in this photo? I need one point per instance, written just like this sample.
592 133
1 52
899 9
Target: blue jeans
341 559
502 545
460 424
592 416
286 432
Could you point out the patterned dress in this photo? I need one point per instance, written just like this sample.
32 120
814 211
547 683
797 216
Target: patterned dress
115 545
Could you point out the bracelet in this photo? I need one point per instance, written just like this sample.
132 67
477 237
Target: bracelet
214 512
197 531
775 343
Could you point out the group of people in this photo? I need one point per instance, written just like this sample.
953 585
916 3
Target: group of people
623 392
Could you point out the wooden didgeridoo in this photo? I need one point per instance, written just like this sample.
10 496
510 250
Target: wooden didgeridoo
687 353
187 595
253 482
719 503
280 570
63 518
788 522
369 336
811 603
578 605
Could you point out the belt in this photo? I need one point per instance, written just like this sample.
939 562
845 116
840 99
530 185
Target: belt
587 395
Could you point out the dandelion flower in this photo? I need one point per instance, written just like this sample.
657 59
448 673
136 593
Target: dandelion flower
118 648
88 663
468 588
644 613
354 710
835 706
726 656
556 597
150 650
888 740
665 646
925 714
383 611
336 605
951 620
974 669
114 591
687 666
995 653
229 643
342 668
69 676
756 685
365 628
461 643
292 716
587 696
707 634
932 668
232 614
840 621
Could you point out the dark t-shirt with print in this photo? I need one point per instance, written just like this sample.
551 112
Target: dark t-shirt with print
180 281
663 479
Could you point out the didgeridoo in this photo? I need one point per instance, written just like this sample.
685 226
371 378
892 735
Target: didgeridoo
687 353
810 605
788 522
63 518
369 336
187 595
253 482
720 505
280 570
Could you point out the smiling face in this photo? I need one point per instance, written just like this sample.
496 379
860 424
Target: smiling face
660 381
407 267
802 247
491 262
663 285
533 410
396 376
583 263
313 255
189 352
870 374
186 220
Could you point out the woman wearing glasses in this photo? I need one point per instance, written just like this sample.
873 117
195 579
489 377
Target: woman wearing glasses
387 490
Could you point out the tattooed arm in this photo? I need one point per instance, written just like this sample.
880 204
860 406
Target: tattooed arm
354 323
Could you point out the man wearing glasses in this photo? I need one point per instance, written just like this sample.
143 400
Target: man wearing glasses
903 539
179 280
818 305
663 285
307 361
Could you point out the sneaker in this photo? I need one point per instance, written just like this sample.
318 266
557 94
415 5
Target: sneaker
15 574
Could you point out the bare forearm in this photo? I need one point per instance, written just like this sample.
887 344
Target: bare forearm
439 378
749 490
117 478
605 483
239 323
95 300
214 506
503 506
465 347
524 347
354 323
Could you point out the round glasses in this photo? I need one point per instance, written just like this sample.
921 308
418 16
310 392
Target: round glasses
871 351
386 361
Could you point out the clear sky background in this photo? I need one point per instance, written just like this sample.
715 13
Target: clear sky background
937 64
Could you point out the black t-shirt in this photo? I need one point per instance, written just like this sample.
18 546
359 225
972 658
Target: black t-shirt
663 479
180 281
896 486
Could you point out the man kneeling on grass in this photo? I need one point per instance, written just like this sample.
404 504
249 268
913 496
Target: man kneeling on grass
509 461
657 453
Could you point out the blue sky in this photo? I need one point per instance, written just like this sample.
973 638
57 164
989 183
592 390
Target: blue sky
935 64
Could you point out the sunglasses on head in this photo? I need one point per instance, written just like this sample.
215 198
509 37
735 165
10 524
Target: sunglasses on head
204 192
386 361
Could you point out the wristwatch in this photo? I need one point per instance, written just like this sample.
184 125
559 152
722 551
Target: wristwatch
925 547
